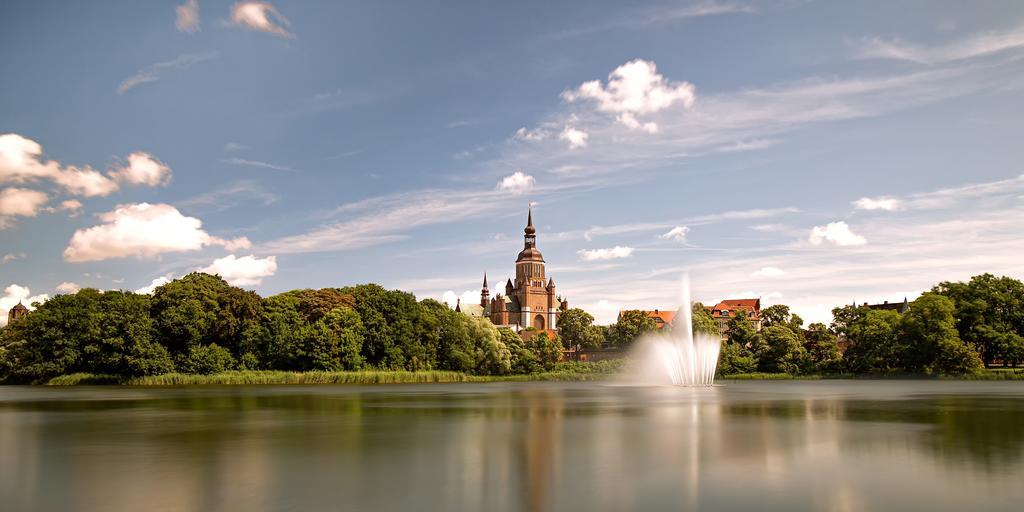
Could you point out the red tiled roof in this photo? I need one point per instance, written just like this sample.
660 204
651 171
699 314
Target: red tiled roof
751 306
666 317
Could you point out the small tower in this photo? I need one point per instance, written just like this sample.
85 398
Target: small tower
485 294
18 312
458 305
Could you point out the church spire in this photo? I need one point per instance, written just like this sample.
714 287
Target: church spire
485 280
529 222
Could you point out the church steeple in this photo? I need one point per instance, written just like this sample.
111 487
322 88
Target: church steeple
485 294
530 236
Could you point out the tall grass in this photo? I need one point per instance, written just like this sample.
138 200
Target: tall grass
562 372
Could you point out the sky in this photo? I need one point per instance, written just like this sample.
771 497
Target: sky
810 153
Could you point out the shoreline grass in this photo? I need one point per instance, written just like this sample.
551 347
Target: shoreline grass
565 372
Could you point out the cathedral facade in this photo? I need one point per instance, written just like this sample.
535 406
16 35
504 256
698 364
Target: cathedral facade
530 301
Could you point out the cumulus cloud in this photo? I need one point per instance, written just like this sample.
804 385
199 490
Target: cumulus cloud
260 16
21 161
245 271
188 16
154 72
768 272
73 206
9 257
21 202
143 230
154 284
68 287
888 204
613 253
468 297
677 233
14 294
634 89
517 183
837 233
142 169
575 137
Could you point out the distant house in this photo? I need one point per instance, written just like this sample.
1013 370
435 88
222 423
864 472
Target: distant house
899 307
661 318
729 308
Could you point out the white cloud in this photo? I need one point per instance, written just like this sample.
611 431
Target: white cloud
245 271
533 135
68 287
613 253
768 272
21 202
976 45
9 257
257 163
517 183
154 72
837 233
188 16
21 161
234 146
467 297
14 294
153 285
677 233
143 230
142 169
260 16
888 204
576 138
634 88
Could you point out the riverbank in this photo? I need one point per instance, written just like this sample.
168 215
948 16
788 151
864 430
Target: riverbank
990 374
562 372
568 372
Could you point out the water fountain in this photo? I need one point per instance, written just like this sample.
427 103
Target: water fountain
682 357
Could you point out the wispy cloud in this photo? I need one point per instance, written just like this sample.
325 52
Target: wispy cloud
154 72
637 19
257 163
973 46
188 16
229 196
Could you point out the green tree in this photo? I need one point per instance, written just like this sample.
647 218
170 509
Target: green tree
335 342
928 331
733 359
989 314
702 321
491 356
206 360
631 325
200 309
783 350
523 359
576 329
822 348
874 341
548 350
87 331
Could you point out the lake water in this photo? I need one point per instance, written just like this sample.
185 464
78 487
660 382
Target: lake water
814 445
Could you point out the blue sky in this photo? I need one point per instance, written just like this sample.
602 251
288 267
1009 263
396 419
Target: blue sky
810 153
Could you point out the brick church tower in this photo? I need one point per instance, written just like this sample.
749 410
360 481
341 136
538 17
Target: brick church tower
529 301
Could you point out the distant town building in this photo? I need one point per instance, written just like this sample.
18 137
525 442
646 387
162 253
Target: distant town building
729 308
18 312
529 301
661 318
899 307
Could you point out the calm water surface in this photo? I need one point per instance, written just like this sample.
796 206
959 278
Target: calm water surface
826 445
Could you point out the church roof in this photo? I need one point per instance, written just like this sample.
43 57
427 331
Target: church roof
530 254
19 307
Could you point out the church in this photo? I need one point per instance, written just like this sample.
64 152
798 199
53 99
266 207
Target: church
529 301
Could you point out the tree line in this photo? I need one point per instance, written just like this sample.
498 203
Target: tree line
200 324
955 328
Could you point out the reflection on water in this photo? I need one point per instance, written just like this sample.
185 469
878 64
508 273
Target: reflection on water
535 446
